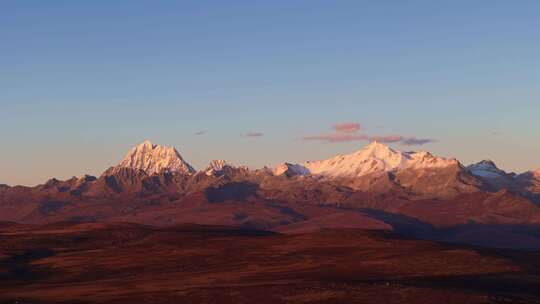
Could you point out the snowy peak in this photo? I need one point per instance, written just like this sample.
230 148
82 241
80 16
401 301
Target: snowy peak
376 149
388 157
425 159
487 163
290 170
217 164
155 159
217 167
220 167
376 158
486 168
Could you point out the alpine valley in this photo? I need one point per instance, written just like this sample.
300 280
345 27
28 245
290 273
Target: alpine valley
374 226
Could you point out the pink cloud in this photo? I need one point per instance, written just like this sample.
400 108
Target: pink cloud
347 132
337 137
386 138
347 127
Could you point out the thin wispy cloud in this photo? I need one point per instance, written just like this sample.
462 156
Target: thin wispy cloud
347 127
334 138
348 132
413 141
200 133
387 139
253 134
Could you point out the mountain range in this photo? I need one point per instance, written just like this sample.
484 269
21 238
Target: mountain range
416 194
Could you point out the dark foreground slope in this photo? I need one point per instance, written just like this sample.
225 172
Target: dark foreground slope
131 263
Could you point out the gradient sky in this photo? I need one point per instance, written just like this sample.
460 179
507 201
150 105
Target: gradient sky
83 81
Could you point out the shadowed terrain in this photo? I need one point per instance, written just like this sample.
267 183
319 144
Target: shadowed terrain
415 194
133 263
154 230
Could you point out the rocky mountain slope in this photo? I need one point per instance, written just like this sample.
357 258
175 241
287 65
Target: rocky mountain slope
414 193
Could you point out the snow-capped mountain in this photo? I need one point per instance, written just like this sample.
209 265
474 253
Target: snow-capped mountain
218 167
494 178
156 186
375 158
289 169
155 159
530 181
486 168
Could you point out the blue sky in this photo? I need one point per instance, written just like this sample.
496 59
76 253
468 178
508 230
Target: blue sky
81 82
